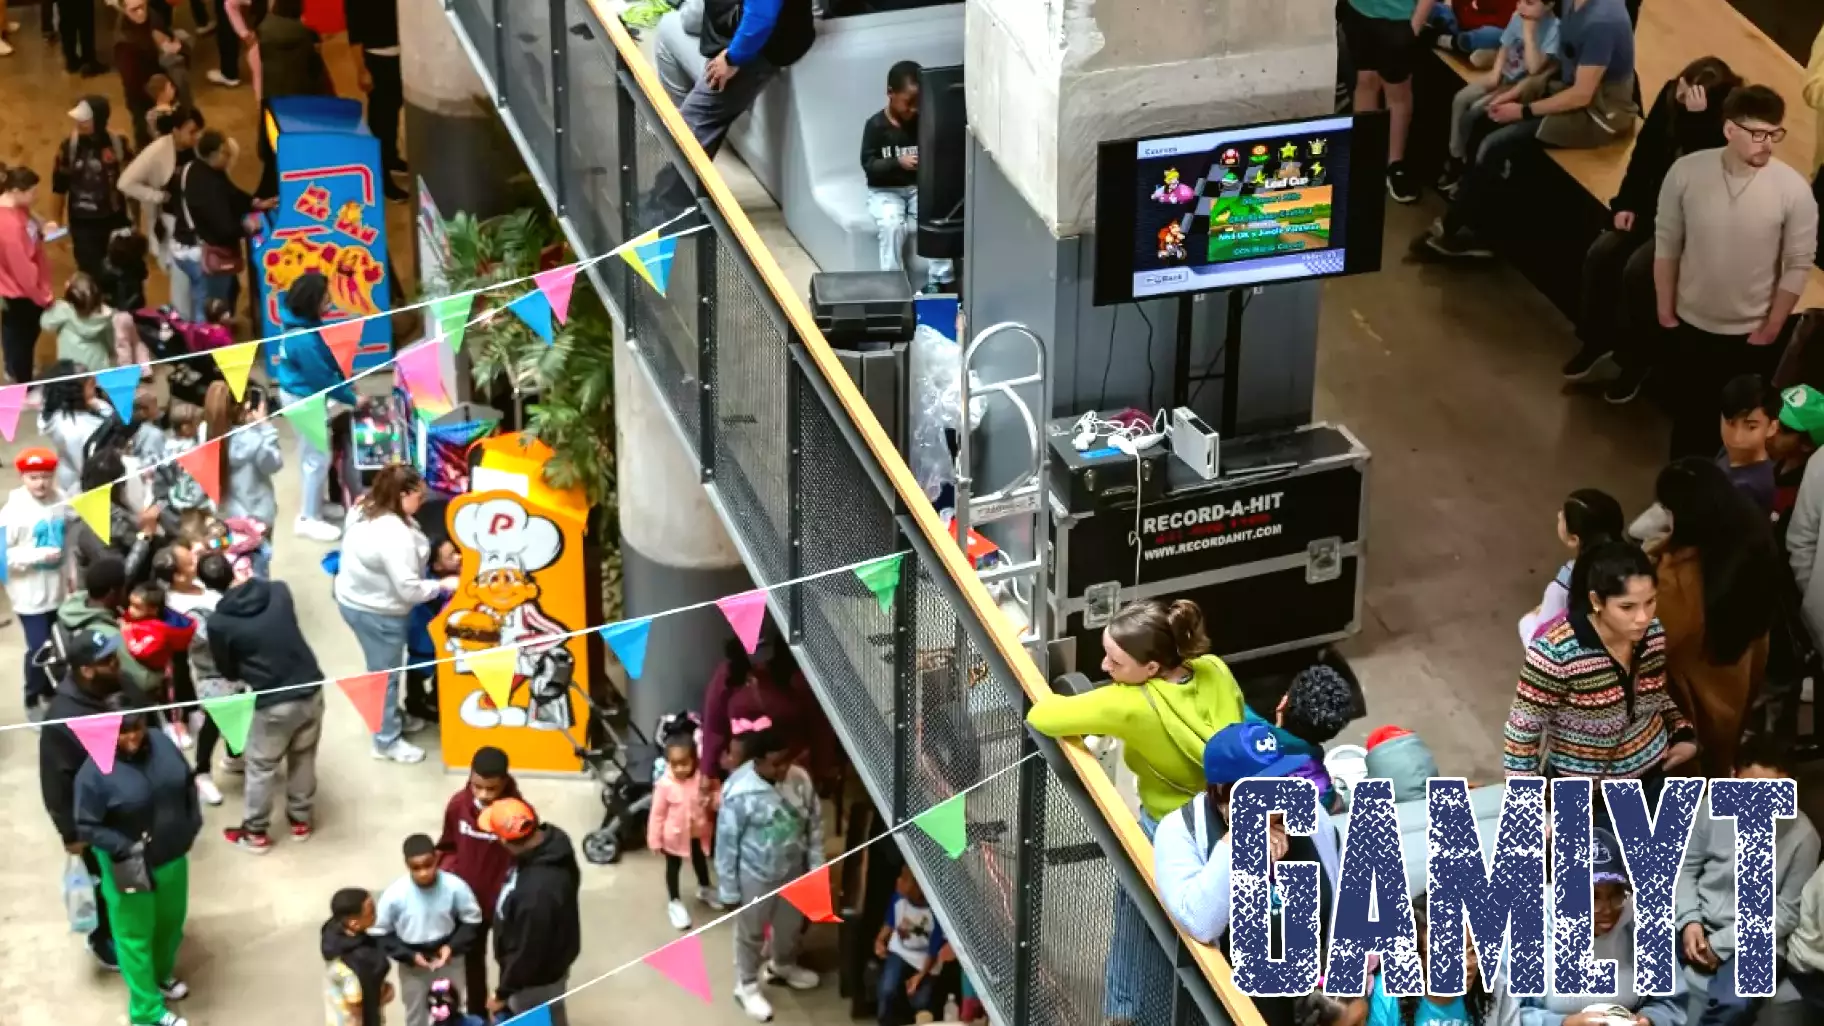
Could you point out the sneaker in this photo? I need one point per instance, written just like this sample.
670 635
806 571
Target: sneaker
414 724
233 765
679 916
395 193
1461 244
300 832
1400 184
207 28
1450 177
215 75
207 791
1585 364
317 530
247 840
753 1002
1622 390
179 735
334 511
707 896
104 955
36 711
402 751
796 977
6 50
170 1019
174 989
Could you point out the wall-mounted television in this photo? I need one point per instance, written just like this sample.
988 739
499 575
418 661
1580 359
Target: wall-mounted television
1233 207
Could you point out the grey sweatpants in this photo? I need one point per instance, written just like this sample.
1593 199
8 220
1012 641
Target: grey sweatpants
750 930
526 1000
287 732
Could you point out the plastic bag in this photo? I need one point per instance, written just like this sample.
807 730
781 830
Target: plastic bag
79 895
937 401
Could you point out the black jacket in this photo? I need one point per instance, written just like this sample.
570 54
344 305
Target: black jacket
792 36
1669 133
363 956
538 931
255 638
216 206
149 797
61 756
372 24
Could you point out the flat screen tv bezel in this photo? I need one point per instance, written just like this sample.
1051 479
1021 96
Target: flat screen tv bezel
1114 271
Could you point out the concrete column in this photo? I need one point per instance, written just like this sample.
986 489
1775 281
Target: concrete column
454 140
674 550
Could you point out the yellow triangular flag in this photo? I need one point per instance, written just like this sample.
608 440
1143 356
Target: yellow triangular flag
631 253
93 507
235 362
495 667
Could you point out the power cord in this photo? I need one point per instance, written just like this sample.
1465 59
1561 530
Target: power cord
1108 360
1141 310
1209 372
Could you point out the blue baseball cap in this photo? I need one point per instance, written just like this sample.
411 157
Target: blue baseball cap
1245 750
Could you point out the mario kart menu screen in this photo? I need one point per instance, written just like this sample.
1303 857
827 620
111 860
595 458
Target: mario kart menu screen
1224 209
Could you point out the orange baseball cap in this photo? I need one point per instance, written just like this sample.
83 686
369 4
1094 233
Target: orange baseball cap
36 460
508 819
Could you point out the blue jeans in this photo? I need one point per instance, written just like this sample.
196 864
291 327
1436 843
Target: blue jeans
382 641
38 684
193 273
1722 1005
1138 984
1445 20
313 470
894 973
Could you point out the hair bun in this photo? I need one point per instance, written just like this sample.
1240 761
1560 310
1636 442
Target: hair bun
1186 618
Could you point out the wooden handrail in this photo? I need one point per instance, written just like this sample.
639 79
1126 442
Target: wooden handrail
983 607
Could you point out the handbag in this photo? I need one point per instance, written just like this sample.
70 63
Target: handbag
131 874
215 259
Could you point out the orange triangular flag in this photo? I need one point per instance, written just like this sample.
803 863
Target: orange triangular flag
204 464
810 894
343 339
368 693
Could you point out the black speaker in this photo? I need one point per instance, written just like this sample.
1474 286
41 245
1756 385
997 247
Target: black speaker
943 132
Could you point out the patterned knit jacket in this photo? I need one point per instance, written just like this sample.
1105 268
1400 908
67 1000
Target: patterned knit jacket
1578 714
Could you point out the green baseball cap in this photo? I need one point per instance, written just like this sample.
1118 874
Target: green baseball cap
1802 410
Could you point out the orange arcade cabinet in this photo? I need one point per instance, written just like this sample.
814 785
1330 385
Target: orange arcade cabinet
331 218
531 576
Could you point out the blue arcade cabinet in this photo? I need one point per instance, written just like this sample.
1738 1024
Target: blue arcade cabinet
331 218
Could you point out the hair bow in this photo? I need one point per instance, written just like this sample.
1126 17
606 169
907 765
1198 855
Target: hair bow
739 726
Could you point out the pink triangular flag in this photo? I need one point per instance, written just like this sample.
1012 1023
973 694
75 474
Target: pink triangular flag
682 963
344 340
557 284
12 400
99 735
420 374
745 613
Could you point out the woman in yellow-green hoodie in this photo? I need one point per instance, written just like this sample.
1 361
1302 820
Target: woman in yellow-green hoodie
1168 695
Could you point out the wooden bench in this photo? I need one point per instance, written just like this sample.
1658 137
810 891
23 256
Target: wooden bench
1672 34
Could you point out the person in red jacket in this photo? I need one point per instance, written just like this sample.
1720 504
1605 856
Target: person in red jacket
474 855
25 272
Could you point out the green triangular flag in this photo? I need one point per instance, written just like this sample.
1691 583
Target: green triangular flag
882 577
944 823
453 318
311 418
233 715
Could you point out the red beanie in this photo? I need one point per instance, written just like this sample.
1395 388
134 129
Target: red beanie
1386 733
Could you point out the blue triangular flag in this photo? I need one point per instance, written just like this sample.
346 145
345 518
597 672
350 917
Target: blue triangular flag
540 1016
656 256
535 310
628 639
3 568
121 384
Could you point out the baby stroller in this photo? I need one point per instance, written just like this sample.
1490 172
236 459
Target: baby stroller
167 337
621 759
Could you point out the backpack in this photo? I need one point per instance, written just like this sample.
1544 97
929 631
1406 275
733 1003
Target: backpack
53 657
1218 827
95 182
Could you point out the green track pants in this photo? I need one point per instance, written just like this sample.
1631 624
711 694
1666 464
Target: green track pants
147 931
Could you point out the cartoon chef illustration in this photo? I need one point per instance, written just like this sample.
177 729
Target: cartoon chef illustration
499 606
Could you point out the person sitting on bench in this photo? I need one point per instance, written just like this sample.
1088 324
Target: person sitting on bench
1616 314
1814 97
1527 53
1591 104
1733 251
889 157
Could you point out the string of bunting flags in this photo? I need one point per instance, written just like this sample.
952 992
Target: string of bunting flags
682 961
417 367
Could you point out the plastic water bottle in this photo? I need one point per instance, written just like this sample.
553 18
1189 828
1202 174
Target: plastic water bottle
951 1011
79 896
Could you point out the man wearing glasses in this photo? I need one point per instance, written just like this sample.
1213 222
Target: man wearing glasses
1736 233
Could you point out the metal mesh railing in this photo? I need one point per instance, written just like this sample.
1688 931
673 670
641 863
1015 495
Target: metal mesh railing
926 700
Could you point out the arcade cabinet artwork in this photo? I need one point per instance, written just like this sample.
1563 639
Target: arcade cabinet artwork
330 218
524 581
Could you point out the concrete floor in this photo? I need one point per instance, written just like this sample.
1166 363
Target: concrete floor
251 948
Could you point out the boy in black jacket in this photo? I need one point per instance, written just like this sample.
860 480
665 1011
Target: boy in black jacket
355 987
92 686
889 159
538 929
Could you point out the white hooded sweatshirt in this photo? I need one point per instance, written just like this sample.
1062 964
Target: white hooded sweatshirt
34 552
